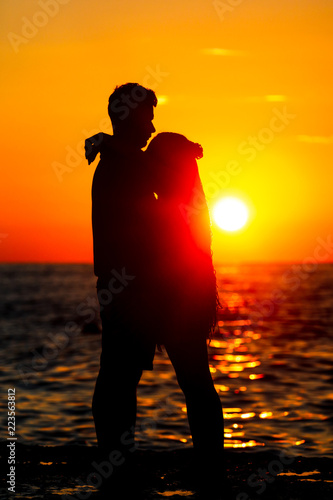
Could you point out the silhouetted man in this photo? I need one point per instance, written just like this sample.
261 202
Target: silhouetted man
127 262
122 206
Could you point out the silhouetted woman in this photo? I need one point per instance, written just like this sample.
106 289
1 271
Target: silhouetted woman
186 285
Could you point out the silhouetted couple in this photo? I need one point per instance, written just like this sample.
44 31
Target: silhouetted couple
156 281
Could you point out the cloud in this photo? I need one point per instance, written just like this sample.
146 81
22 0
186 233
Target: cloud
315 139
275 98
268 98
222 52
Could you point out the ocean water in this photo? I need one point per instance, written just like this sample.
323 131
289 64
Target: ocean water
271 360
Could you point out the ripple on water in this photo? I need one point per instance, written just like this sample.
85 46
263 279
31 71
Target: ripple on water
277 369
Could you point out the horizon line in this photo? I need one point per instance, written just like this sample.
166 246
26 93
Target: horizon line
216 263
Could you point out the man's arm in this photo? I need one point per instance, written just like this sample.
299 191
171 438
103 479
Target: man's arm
93 145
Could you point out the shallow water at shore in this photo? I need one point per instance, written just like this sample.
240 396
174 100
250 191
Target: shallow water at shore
74 473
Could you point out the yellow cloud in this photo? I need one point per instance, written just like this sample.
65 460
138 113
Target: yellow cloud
268 98
315 139
275 98
222 52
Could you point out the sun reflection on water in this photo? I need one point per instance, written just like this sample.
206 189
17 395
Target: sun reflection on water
254 362
232 357
275 372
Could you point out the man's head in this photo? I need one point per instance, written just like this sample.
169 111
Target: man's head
131 109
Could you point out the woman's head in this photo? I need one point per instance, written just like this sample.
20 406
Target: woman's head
169 146
172 159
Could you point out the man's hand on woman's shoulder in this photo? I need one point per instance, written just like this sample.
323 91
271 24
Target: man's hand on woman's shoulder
94 144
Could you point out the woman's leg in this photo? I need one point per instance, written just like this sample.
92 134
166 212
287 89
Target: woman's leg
205 416
204 409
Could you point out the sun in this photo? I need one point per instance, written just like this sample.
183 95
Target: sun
230 213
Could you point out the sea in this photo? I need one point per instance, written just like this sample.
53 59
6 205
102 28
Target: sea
271 359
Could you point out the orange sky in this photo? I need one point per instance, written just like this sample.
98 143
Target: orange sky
224 79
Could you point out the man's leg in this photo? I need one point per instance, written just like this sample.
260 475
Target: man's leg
114 400
114 406
114 411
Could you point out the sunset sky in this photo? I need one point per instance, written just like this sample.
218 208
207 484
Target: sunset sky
250 80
